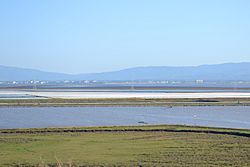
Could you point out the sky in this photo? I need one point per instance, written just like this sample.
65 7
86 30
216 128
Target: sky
83 36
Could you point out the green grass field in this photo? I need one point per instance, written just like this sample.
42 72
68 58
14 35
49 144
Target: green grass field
125 146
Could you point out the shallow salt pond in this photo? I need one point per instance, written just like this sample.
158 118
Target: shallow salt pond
39 117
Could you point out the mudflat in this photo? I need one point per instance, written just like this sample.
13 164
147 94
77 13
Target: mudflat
121 94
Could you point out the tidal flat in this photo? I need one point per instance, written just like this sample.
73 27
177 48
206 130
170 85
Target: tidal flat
121 94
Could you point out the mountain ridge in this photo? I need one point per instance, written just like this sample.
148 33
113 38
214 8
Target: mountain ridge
225 71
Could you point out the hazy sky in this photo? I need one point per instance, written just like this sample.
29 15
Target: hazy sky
92 36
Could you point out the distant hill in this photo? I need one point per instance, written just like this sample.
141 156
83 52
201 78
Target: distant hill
227 71
20 74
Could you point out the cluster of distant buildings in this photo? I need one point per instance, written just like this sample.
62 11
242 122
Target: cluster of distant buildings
37 82
135 82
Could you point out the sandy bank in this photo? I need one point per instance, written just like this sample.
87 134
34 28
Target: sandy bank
74 95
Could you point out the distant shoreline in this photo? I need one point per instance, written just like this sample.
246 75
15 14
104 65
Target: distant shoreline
121 87
125 97
61 102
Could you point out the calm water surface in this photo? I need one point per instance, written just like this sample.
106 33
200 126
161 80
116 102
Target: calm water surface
34 117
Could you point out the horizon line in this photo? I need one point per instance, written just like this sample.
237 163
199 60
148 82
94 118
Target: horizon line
41 70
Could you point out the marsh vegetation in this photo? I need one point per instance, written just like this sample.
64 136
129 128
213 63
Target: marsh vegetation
125 146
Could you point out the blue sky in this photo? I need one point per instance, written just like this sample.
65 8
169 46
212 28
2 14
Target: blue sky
93 36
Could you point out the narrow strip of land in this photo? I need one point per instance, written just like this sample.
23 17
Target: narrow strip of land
120 94
128 102
151 128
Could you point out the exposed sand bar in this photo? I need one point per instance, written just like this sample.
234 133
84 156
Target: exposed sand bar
89 95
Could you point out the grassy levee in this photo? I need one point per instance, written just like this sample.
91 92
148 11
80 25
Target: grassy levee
127 102
161 145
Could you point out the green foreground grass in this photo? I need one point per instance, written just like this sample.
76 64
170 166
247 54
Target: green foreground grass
125 146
